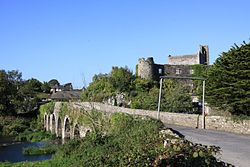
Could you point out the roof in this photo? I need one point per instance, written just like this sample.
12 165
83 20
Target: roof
57 87
67 95
66 87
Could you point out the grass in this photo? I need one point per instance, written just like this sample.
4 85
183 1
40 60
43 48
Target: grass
47 149
35 136
129 141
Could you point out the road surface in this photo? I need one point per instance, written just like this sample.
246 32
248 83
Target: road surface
235 148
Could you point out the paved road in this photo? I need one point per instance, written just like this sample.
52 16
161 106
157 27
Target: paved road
235 148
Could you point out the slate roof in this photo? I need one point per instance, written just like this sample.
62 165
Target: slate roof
66 95
65 87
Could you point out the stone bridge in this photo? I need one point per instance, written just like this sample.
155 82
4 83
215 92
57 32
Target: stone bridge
65 127
68 126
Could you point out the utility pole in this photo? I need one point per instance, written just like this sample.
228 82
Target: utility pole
159 100
203 105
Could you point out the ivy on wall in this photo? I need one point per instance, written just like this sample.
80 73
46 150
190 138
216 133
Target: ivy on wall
46 108
199 70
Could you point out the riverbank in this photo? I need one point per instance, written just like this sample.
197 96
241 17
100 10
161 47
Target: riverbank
12 151
129 141
12 126
19 133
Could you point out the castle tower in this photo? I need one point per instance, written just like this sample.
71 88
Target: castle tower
203 55
145 68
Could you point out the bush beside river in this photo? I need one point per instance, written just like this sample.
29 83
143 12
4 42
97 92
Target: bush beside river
12 126
129 141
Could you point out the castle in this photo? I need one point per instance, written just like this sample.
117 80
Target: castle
177 65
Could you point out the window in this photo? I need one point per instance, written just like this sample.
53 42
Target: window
160 71
178 71
191 71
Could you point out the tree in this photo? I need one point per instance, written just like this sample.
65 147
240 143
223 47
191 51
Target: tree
121 78
53 82
176 97
33 85
99 89
147 100
228 85
45 87
27 100
4 92
18 96
10 82
104 86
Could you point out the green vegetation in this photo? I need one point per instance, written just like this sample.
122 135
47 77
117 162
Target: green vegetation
144 94
227 86
176 97
20 97
107 85
139 93
128 141
188 154
35 136
23 129
12 126
200 71
47 149
46 108
96 121
240 118
121 139
228 81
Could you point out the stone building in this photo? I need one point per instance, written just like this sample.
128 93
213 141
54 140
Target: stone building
65 93
177 65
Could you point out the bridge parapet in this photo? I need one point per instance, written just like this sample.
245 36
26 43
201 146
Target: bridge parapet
79 128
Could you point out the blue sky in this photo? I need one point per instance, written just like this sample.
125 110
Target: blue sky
73 40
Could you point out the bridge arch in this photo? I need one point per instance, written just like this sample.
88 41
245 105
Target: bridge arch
76 131
59 127
66 128
52 123
45 121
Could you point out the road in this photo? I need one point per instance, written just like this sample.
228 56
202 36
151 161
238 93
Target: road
235 148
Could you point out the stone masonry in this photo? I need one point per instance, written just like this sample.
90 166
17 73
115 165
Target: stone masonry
190 120
177 65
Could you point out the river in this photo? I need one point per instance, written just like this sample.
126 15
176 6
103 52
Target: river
12 151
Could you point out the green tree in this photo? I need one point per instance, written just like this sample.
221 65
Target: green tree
121 79
10 82
108 85
4 92
26 100
176 97
18 96
99 89
147 100
228 84
53 82
144 94
45 87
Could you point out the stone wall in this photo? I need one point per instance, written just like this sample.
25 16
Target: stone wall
183 60
146 68
178 70
190 120
201 57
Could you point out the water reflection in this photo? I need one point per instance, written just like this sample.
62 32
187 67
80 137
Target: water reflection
12 151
